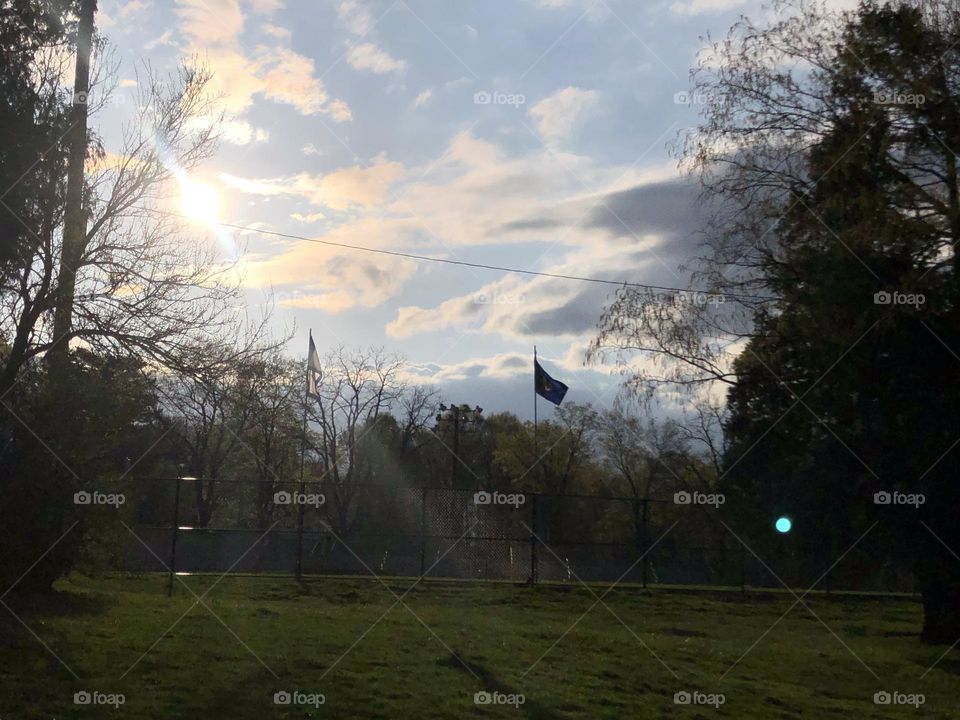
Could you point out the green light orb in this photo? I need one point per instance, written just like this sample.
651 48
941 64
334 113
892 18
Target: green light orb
784 525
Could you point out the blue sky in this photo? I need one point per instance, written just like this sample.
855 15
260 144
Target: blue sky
525 133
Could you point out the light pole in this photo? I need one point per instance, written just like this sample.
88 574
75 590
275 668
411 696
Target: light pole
457 418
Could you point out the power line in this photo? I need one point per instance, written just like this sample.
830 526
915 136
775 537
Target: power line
481 266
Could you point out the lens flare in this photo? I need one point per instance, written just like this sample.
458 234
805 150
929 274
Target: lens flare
199 202
784 524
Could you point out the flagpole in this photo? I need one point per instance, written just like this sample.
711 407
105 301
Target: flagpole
536 447
303 452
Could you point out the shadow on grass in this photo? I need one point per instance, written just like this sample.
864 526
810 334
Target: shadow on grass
243 700
492 683
58 603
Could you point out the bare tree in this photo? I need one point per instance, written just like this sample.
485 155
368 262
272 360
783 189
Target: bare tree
767 99
418 405
702 429
141 284
624 444
356 387
560 458
274 436
209 411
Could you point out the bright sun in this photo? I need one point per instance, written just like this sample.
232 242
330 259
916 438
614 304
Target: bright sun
199 202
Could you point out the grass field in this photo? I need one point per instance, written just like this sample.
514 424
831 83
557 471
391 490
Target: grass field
372 657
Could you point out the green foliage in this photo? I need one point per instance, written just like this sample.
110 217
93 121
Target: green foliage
31 121
840 395
80 432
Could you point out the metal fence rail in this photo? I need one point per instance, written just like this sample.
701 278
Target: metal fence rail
453 533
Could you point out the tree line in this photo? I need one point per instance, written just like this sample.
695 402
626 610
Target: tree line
827 156
827 153
98 290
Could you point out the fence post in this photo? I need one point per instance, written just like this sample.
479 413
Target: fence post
423 531
533 540
743 570
173 540
300 537
646 539
827 579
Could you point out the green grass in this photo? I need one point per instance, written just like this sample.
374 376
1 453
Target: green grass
508 638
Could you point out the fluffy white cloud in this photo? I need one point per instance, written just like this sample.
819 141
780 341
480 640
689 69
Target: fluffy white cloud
339 111
288 78
502 366
311 275
520 308
166 38
134 6
357 17
341 189
210 22
281 33
266 7
240 132
367 56
309 218
557 115
537 197
424 98
213 28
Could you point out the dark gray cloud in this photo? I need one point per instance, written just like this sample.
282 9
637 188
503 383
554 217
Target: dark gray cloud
672 209
530 224
578 316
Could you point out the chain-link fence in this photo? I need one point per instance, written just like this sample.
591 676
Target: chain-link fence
196 526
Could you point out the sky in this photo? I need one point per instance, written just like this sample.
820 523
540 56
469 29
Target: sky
526 133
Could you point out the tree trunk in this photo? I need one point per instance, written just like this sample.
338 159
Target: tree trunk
74 222
940 585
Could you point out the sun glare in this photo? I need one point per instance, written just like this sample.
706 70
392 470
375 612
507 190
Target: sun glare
199 202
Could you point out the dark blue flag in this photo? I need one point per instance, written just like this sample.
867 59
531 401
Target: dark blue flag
546 386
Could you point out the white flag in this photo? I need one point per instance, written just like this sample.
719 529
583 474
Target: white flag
314 371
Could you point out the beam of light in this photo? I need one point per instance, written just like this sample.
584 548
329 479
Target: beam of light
784 524
199 202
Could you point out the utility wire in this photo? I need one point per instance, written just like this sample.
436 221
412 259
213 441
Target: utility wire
481 266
